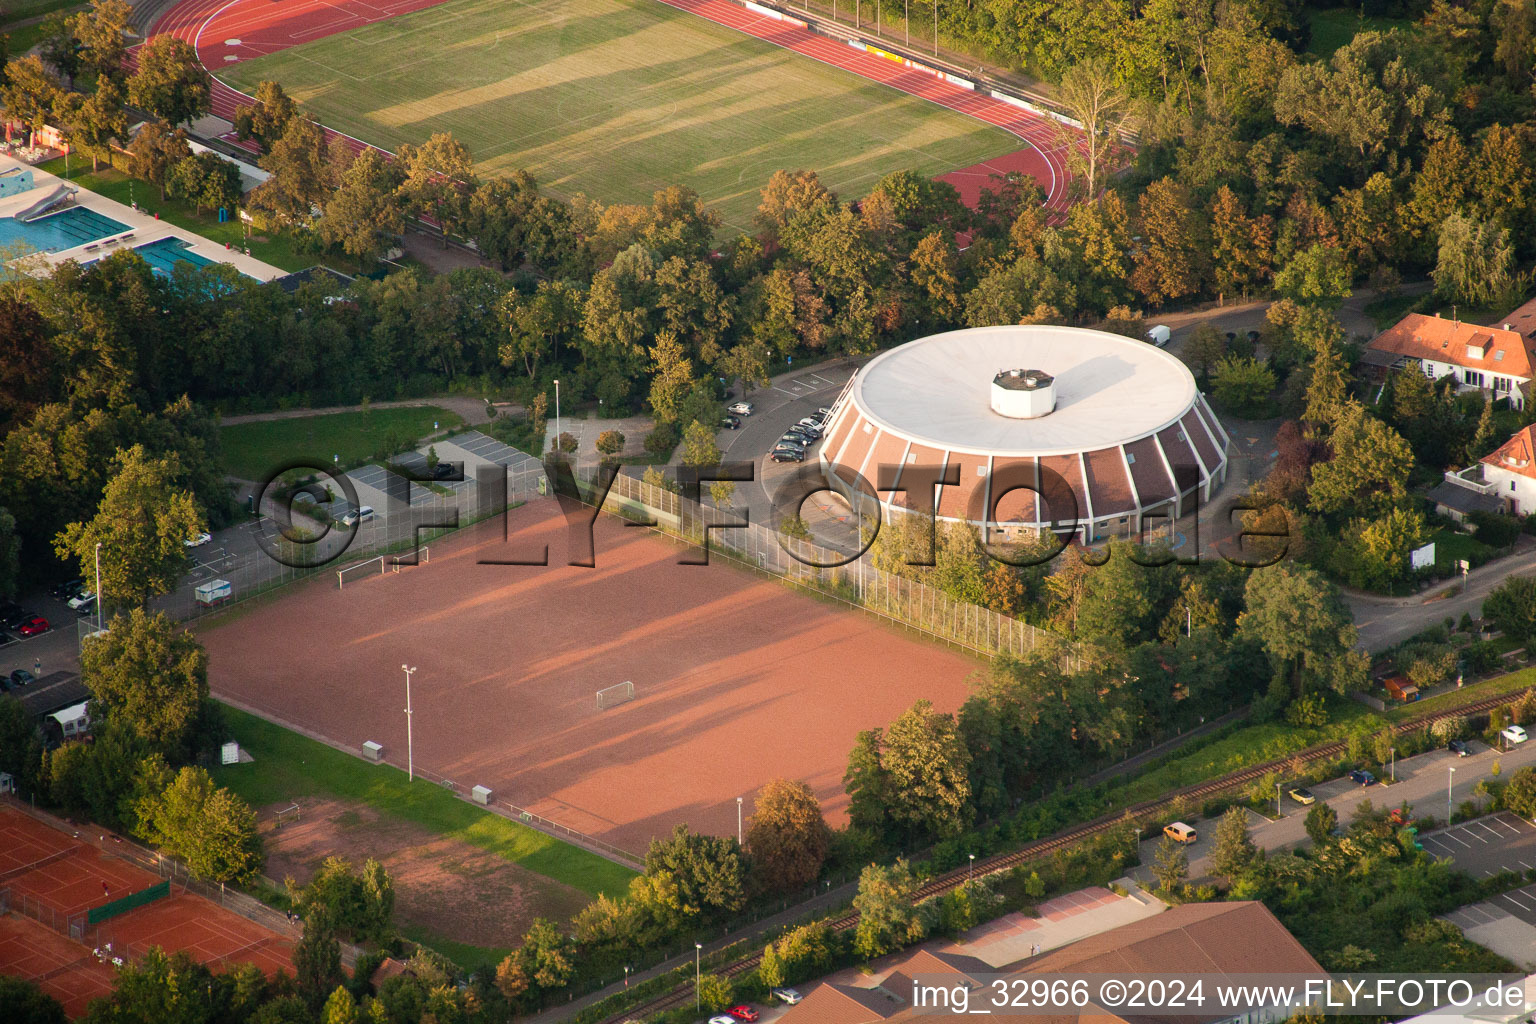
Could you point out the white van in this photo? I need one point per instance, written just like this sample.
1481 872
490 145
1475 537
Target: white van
1159 336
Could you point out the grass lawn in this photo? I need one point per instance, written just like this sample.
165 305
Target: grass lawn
1336 26
1451 547
21 10
618 98
471 958
278 250
288 766
1513 683
252 450
1247 746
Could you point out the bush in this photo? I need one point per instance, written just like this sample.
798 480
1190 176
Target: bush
1480 656
663 439
1309 710
1495 530
566 442
610 442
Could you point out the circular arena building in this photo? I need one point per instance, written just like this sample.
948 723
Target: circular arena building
1026 428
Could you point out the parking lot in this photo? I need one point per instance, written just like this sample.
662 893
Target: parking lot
1485 846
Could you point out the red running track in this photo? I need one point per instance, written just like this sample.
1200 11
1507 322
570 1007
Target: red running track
227 31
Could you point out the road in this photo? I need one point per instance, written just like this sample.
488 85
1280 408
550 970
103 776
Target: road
1422 783
1384 621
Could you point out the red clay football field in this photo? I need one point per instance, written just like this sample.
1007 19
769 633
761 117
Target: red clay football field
739 679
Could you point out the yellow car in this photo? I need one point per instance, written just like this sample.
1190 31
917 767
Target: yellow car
1303 796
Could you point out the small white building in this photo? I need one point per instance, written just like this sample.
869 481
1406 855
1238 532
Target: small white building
1502 482
74 721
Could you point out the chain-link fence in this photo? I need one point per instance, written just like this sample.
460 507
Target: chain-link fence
859 584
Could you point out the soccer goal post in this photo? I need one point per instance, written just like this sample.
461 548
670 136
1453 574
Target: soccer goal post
613 695
372 567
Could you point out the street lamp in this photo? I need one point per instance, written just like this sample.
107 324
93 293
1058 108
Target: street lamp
1450 782
98 586
1394 763
970 874
698 998
739 841
410 744
557 415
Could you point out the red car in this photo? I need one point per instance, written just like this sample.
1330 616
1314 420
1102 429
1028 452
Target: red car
32 627
745 1013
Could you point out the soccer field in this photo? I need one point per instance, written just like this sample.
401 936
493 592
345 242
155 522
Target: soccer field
617 98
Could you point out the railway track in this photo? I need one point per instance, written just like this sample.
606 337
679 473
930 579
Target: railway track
1038 848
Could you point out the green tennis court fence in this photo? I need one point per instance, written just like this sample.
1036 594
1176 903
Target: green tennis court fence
107 911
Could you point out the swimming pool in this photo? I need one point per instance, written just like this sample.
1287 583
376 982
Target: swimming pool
164 254
63 230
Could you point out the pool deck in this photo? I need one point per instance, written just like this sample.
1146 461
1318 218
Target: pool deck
142 228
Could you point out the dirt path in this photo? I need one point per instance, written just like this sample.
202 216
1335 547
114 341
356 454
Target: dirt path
442 885
471 409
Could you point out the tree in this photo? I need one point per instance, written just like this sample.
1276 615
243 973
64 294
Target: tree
151 677
25 1003
1520 793
1205 348
300 179
699 447
21 745
1475 262
610 442
1242 385
100 31
209 828
538 325
154 151
359 905
363 216
205 180
887 918
1233 850
1319 274
141 523
170 82
707 870
543 963
59 46
340 1008
788 839
1305 628
801 953
10 554
1512 605
266 119
1368 474
927 768
671 379
1093 93
715 992
317 967
1170 864
30 92
439 176
97 122
1379 551
1321 821
868 785
1168 265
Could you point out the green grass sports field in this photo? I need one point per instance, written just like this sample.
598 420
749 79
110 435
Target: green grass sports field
617 98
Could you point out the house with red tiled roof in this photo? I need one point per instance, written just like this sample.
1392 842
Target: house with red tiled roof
1208 939
1498 360
1504 481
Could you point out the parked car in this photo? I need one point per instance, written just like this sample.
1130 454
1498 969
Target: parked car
12 615
199 540
33 626
1303 796
785 995
1514 734
743 1013
721 1018
21 677
811 421
1362 776
81 600
824 412
786 455
357 515
731 423
444 470
740 409
88 608
68 589
1459 748
1180 832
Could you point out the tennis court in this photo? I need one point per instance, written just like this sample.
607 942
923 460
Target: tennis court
51 879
